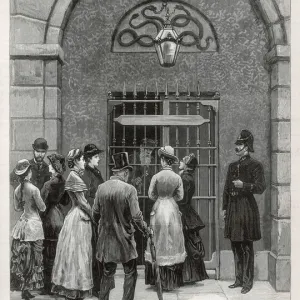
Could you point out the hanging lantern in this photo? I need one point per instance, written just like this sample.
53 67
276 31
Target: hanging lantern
167 44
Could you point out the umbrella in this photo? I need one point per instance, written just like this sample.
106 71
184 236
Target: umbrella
155 267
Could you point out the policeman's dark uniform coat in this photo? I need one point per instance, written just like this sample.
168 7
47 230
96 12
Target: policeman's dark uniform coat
40 171
242 222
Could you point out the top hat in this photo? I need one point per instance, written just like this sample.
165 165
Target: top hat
148 143
121 161
190 161
40 144
22 167
168 152
91 150
246 138
58 162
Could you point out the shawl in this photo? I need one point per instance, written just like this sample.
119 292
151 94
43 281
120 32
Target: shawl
74 183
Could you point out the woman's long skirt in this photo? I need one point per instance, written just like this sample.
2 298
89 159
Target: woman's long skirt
194 267
165 220
72 270
52 224
26 265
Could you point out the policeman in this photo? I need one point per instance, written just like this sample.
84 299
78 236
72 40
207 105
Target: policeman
245 177
40 169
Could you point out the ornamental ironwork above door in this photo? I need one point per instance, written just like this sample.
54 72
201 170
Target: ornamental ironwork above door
139 26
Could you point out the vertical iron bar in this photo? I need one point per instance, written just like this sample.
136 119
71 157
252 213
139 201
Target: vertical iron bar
217 201
187 130
177 130
124 111
198 154
166 112
124 128
156 110
209 185
134 135
177 113
114 129
145 137
156 142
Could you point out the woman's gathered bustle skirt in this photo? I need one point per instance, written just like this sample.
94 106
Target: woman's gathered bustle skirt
26 265
194 267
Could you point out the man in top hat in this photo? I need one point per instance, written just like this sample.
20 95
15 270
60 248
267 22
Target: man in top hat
40 170
245 177
116 208
92 178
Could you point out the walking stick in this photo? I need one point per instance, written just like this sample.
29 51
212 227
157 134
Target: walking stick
155 267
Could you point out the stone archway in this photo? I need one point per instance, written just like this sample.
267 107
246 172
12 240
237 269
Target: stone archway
37 29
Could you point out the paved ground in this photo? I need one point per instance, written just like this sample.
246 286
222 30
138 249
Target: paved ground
209 289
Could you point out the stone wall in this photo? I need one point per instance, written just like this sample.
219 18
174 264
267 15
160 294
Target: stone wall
37 29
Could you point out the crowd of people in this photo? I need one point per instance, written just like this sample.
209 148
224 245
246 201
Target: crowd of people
75 253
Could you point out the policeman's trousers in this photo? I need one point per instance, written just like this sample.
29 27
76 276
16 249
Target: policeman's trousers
244 263
107 282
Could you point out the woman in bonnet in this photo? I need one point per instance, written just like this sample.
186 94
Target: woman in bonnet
165 220
72 270
27 245
193 267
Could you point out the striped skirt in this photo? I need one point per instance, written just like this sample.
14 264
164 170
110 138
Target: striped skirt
26 266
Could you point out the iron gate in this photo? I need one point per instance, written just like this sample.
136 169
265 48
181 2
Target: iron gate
189 123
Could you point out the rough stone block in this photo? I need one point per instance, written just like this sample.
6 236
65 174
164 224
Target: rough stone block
26 30
278 34
284 7
281 201
60 11
52 133
261 265
34 51
281 136
24 132
53 73
270 10
26 72
52 102
280 272
39 9
54 35
12 7
281 103
281 168
288 30
26 102
278 52
280 74
227 271
281 237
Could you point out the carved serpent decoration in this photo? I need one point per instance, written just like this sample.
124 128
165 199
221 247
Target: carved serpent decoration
197 38
158 23
136 38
